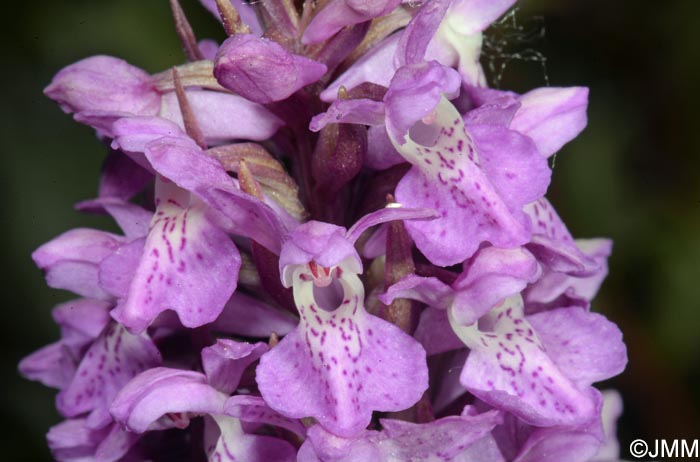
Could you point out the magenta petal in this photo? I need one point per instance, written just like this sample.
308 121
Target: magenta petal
116 444
51 365
442 439
323 243
249 408
116 272
159 391
552 243
214 111
476 15
490 276
81 323
512 164
261 70
576 443
226 360
112 360
586 347
71 260
381 154
434 332
510 369
131 218
250 317
417 35
554 289
446 439
180 160
430 291
244 215
392 212
552 116
340 366
81 319
132 134
479 185
414 94
188 265
104 83
350 111
122 177
73 441
341 13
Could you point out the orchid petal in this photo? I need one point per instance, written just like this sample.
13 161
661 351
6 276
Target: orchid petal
446 439
417 35
184 250
612 409
571 443
71 260
214 112
350 111
251 317
392 212
415 92
122 177
261 70
472 16
434 332
131 218
226 360
72 440
552 243
81 323
552 116
159 391
104 83
585 346
116 272
323 243
491 275
381 154
339 366
472 182
510 369
430 291
254 409
112 360
341 13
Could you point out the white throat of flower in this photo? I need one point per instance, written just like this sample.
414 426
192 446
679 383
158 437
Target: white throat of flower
316 286
507 315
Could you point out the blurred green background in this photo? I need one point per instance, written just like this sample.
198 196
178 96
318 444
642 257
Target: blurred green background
633 175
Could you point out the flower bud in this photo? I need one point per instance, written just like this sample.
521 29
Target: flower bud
104 83
262 70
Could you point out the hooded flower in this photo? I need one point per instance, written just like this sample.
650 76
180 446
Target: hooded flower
163 398
101 89
532 366
475 170
340 363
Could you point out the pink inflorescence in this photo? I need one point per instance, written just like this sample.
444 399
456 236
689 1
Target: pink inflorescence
335 246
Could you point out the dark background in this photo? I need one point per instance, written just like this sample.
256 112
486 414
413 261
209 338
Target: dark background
633 175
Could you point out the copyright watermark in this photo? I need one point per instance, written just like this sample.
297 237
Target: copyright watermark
689 449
